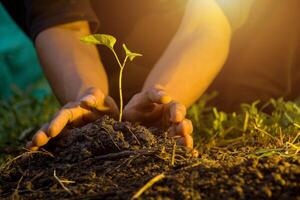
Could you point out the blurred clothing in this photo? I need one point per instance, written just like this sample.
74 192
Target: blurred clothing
19 65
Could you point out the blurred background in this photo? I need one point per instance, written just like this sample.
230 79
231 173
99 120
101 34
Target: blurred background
19 66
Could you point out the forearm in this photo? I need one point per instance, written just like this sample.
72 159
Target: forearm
193 58
69 65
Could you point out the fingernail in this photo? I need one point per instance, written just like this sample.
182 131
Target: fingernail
166 99
34 148
40 139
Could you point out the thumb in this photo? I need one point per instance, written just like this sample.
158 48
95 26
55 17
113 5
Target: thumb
154 96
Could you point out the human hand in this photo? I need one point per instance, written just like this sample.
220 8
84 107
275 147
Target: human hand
155 107
91 106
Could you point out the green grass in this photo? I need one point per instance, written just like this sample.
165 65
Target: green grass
272 128
275 132
21 116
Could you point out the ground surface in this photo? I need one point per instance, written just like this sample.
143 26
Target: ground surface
251 155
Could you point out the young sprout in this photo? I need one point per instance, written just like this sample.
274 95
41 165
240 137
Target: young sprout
109 41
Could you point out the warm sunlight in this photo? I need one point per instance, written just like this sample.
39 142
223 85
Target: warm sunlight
149 99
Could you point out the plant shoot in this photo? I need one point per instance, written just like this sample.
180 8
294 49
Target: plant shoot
109 41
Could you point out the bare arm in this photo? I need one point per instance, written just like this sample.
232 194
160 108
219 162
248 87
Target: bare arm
195 55
70 66
77 78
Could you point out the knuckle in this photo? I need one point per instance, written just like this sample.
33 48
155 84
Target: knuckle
66 113
52 131
158 87
40 139
97 93
70 105
62 112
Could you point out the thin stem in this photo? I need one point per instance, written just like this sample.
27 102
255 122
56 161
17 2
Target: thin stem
148 185
120 88
117 58
120 82
61 183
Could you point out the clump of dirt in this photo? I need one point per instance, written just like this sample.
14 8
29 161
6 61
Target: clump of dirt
103 137
112 160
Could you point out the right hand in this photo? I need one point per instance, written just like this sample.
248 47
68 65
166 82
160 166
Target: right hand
92 105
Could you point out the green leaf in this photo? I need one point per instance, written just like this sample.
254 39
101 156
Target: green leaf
102 39
130 54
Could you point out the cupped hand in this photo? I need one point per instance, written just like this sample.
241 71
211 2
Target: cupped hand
91 106
154 107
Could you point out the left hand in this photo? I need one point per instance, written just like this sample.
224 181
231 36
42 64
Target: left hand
154 107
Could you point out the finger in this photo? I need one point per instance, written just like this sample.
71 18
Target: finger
189 142
59 122
186 141
79 116
184 128
152 96
93 101
109 107
40 138
177 112
91 116
158 96
31 147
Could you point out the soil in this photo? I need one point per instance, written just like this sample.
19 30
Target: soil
112 160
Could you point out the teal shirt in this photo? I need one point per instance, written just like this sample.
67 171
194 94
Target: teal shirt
19 65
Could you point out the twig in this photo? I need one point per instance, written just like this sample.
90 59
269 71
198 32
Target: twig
291 120
16 192
265 132
173 154
111 138
246 121
134 135
125 153
148 185
192 166
25 154
295 139
297 148
61 183
127 160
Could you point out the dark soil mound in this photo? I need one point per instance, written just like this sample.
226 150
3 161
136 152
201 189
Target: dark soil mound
112 160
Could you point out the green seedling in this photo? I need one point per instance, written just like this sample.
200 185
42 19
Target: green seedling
109 41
